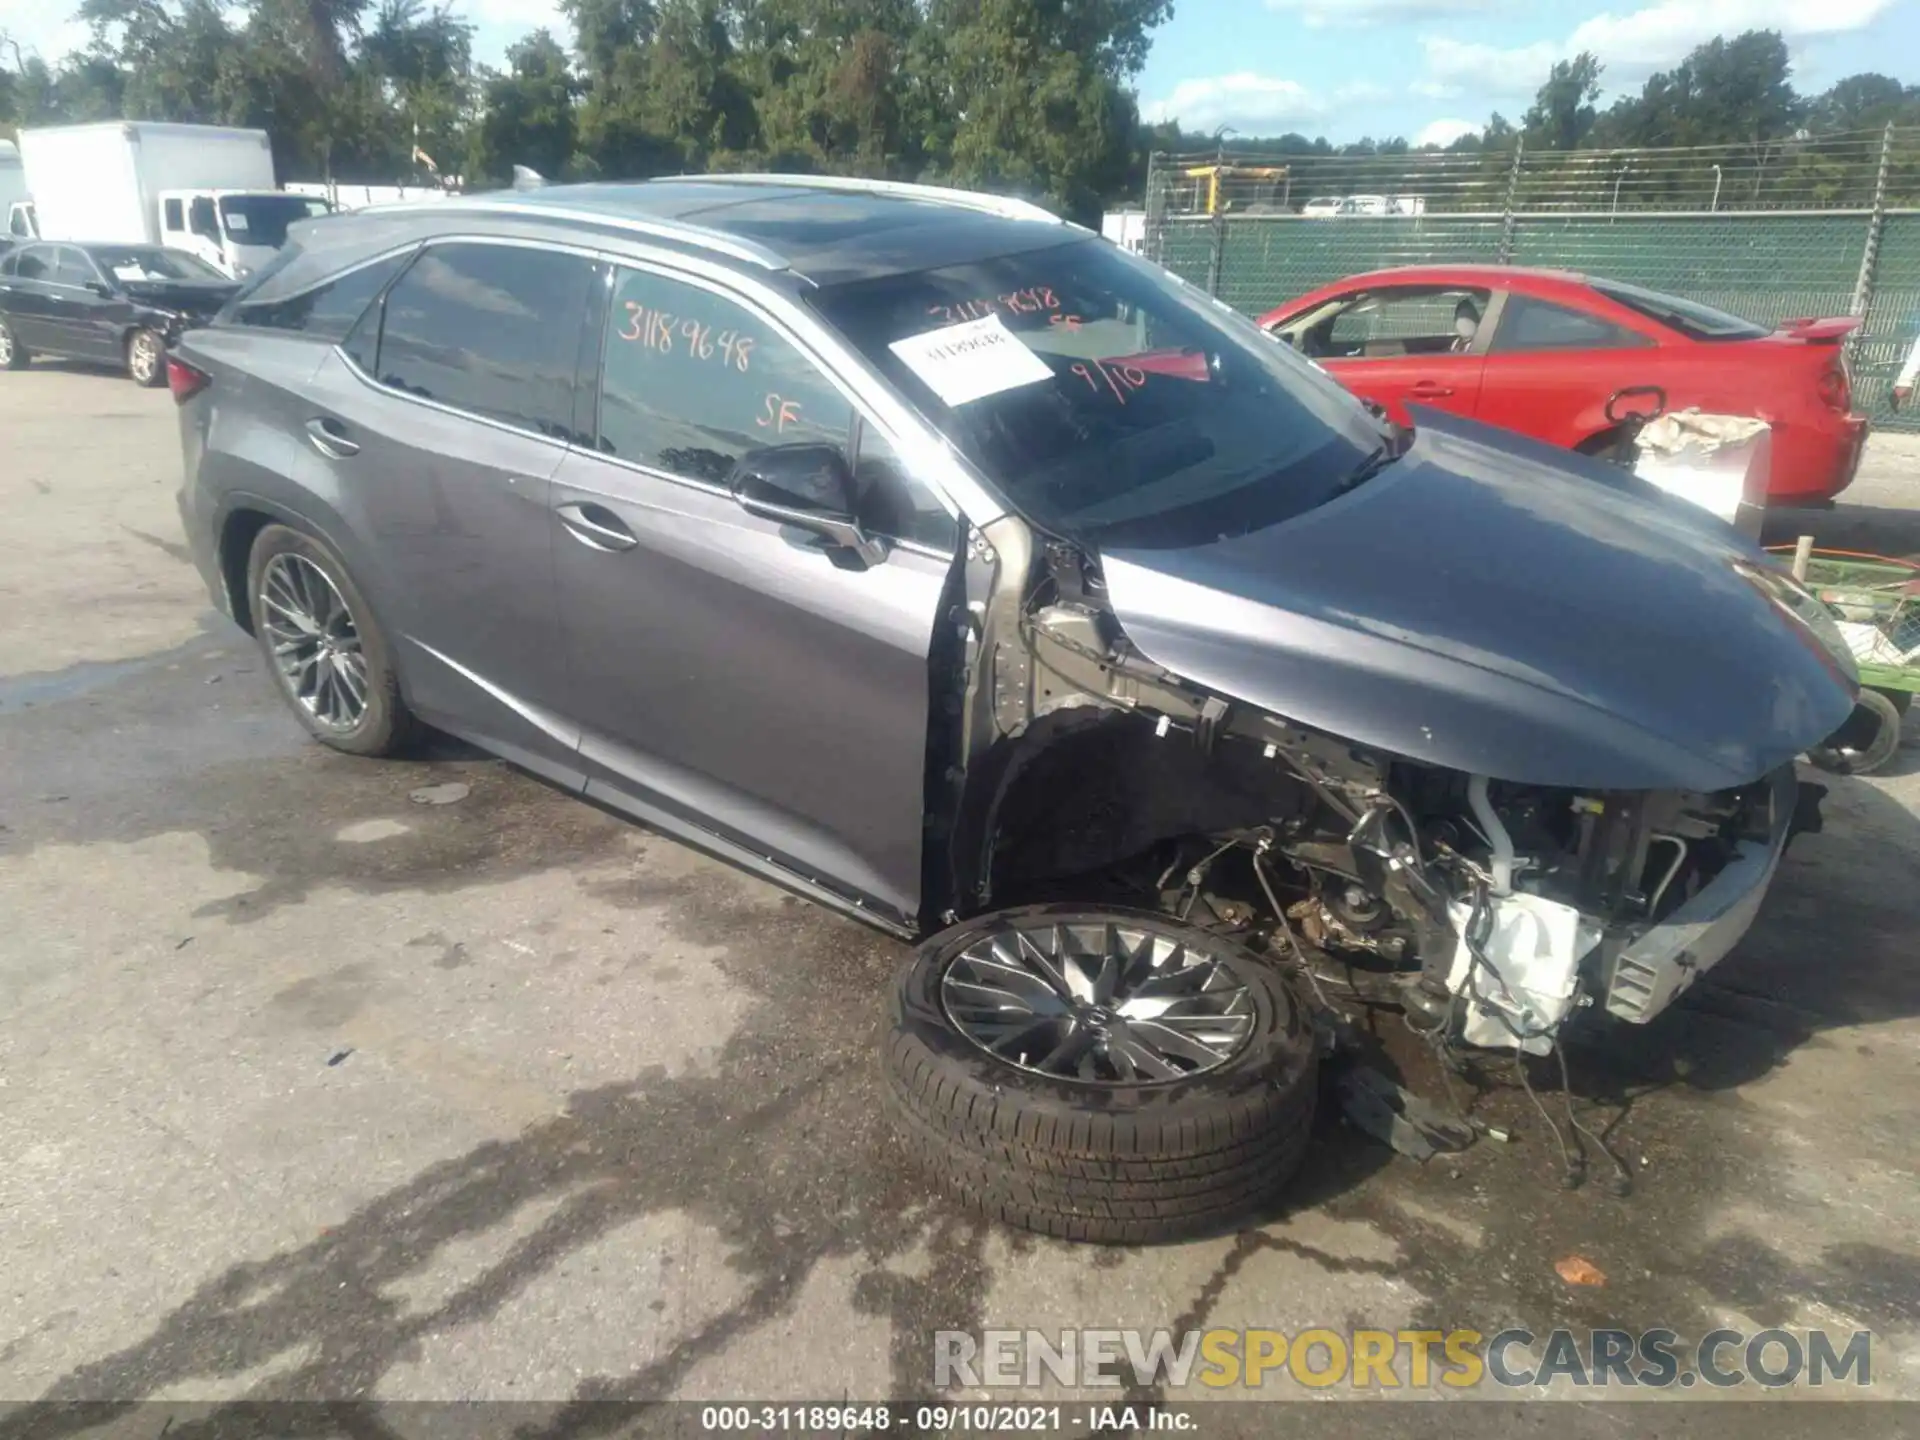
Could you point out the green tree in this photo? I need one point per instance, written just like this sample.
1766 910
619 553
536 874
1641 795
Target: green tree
1563 112
527 114
1032 94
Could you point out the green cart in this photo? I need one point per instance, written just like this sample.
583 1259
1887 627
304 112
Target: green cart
1876 602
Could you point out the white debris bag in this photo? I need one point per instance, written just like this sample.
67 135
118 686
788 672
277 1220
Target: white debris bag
1719 462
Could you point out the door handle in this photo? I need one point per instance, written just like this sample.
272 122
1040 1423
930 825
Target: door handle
597 527
327 438
1429 390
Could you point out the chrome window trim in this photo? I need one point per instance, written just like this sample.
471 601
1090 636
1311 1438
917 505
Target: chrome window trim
334 278
1007 207
716 240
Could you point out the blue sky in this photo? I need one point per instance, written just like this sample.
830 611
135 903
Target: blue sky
1430 68
1347 68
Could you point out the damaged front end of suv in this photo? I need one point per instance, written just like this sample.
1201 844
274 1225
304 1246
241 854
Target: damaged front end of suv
1508 733
1500 840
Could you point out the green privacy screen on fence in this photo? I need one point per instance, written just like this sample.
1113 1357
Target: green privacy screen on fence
1766 266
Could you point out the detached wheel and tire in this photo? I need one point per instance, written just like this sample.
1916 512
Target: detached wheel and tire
13 355
1103 1075
323 646
147 358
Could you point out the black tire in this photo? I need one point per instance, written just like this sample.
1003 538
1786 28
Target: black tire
1867 741
1108 1162
13 355
147 358
385 726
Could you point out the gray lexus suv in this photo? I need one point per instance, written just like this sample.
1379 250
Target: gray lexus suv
954 568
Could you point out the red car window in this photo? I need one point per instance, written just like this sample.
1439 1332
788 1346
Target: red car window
1528 323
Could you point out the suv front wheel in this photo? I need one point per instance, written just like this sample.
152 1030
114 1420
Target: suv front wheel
1103 1075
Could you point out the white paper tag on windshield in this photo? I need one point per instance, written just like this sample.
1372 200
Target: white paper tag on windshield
129 272
964 362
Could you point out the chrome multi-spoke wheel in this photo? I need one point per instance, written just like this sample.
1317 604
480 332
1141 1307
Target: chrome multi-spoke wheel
1104 1002
146 357
311 633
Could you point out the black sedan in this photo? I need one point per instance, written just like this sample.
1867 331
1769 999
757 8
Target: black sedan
120 303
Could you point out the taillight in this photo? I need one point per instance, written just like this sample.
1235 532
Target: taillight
1836 384
184 380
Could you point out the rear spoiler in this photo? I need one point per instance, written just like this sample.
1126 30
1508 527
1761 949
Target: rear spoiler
1820 332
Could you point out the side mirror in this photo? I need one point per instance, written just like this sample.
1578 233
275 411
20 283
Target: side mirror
100 288
808 487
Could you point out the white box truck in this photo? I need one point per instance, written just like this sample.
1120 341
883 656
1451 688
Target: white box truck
14 206
206 189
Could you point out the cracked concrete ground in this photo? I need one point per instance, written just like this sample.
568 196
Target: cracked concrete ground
310 1091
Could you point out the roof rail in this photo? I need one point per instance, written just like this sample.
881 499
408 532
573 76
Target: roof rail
1003 205
525 203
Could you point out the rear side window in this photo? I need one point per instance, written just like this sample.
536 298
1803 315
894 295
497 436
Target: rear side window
1530 324
327 311
1689 317
490 329
35 263
176 216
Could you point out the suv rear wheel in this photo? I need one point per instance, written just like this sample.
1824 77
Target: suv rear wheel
1101 1074
327 653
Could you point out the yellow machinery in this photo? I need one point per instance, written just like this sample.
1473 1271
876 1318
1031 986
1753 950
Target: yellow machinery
1210 178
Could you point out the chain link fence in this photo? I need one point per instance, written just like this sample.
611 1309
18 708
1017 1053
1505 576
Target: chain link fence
1828 227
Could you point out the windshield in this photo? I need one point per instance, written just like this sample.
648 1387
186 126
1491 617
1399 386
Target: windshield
263 219
132 264
1108 401
1694 320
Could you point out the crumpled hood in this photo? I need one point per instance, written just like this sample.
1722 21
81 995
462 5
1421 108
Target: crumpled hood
1492 605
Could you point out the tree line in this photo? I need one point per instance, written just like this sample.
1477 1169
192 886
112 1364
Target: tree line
1034 96
1027 95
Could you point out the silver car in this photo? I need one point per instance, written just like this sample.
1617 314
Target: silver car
952 567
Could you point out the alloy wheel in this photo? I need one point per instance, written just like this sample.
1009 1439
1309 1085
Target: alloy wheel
1102 1002
6 346
314 641
146 358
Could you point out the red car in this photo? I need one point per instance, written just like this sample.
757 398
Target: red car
1543 351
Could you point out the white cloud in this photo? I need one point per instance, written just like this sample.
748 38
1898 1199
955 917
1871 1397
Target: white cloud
1254 104
1316 13
1469 67
43 27
1634 45
1445 132
519 16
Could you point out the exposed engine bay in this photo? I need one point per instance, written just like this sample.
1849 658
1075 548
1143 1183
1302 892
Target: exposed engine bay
1492 913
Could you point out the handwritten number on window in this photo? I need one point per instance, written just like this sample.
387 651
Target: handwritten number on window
1120 380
